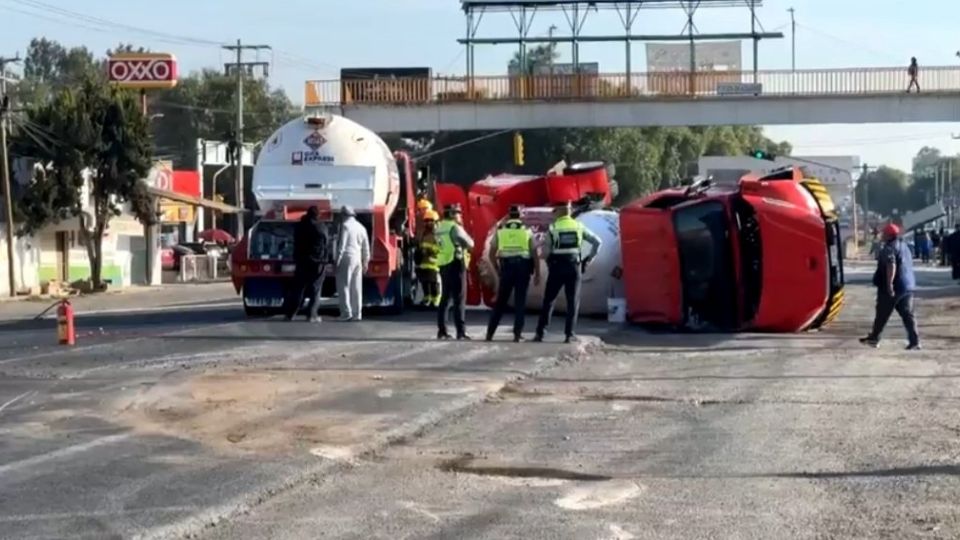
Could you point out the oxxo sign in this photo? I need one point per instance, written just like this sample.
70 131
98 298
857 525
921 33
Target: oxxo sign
143 70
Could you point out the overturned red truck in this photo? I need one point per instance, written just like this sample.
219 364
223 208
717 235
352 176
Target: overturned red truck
762 255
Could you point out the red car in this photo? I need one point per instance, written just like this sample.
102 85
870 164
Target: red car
762 255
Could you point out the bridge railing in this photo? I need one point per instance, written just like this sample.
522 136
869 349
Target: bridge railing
654 85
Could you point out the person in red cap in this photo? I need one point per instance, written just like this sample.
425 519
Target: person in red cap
895 282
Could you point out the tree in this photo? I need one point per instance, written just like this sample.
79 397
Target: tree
541 55
49 67
202 106
886 190
93 157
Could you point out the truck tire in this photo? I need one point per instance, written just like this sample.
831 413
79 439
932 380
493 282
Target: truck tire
255 312
401 298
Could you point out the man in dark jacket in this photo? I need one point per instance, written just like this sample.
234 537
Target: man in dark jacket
895 282
951 247
310 256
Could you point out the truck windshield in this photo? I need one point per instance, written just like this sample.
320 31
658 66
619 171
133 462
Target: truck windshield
709 287
272 240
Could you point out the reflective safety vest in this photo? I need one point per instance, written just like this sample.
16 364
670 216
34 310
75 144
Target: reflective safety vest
513 240
429 253
566 234
449 250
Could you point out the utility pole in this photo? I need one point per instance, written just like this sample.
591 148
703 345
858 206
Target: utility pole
5 172
238 170
793 41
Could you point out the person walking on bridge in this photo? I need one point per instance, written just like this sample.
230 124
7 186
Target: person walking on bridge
895 282
453 260
310 257
564 268
914 73
514 256
353 259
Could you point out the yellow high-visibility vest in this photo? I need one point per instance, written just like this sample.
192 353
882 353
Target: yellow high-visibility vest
513 240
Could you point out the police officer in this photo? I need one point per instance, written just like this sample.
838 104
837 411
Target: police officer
514 256
453 260
564 268
427 264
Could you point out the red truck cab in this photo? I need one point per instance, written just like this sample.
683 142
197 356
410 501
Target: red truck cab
762 255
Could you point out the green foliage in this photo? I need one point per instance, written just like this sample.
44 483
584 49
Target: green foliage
884 190
92 130
202 106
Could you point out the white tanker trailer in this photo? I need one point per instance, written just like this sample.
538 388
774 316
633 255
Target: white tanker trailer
327 161
601 281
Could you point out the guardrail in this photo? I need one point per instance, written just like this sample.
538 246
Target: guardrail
665 85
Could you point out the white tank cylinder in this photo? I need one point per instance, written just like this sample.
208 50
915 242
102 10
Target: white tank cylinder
602 279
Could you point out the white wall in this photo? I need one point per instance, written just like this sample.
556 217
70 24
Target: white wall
26 259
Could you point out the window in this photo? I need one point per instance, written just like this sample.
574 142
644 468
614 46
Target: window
709 287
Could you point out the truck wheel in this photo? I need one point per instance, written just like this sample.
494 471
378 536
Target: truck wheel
401 294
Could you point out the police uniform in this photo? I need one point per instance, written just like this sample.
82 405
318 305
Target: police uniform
453 260
514 250
564 271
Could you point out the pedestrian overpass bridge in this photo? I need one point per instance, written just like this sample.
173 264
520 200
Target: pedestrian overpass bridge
813 96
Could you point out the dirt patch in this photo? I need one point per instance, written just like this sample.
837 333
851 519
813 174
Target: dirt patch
253 411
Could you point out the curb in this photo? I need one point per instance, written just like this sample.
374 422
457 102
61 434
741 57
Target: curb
194 526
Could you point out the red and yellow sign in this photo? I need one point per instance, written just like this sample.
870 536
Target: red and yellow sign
142 70
176 212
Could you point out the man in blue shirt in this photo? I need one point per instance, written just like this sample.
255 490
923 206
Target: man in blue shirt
895 284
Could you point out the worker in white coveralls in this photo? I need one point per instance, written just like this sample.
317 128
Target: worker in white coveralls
353 258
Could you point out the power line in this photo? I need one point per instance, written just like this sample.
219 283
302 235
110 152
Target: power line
43 6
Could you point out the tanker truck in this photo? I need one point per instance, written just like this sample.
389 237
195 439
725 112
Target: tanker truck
486 204
327 161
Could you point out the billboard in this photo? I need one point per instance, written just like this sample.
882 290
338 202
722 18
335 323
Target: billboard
386 85
712 56
668 67
142 70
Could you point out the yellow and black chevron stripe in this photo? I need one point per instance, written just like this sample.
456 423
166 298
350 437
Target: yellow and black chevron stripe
822 196
834 307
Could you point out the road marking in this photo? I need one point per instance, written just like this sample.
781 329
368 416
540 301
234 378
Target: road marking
16 399
61 453
417 509
598 495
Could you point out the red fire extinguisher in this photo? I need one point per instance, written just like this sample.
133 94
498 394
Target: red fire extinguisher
65 330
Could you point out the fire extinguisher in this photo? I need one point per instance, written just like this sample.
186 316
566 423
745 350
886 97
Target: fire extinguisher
65 330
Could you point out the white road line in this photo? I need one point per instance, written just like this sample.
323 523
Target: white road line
61 453
16 399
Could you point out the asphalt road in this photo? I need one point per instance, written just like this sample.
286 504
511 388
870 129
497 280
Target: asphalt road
189 420
170 415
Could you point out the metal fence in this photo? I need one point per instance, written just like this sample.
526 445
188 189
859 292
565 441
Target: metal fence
660 85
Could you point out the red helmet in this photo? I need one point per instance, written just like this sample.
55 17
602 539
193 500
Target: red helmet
891 231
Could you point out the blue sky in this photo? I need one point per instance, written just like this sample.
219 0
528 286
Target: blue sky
313 39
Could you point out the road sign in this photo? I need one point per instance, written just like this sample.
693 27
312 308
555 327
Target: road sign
143 70
739 89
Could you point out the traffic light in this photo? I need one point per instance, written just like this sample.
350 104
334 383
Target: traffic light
518 149
763 154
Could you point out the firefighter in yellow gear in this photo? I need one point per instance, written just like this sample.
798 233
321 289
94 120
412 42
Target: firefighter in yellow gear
428 268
